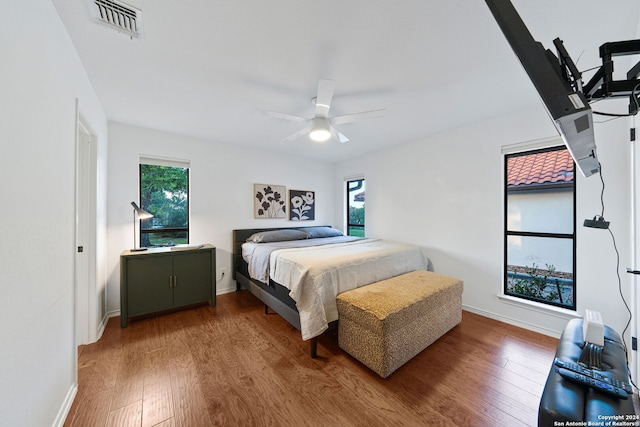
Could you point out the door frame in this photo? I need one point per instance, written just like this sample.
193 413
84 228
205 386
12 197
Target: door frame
85 295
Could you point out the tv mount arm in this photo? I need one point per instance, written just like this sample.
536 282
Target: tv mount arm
602 85
569 70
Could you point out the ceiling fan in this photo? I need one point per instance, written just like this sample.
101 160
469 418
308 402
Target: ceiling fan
321 126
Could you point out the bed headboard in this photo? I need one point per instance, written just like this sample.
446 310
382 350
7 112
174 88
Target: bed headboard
242 234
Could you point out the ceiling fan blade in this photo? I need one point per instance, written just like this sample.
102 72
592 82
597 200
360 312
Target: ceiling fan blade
296 135
339 136
325 94
338 120
279 115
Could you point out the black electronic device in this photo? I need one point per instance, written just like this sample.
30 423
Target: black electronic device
592 373
553 78
590 382
559 83
596 222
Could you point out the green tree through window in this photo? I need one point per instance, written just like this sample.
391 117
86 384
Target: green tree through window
164 192
355 207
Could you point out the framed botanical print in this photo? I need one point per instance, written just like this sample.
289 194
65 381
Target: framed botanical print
269 201
302 205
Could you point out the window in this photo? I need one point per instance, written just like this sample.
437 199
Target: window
164 192
540 226
355 207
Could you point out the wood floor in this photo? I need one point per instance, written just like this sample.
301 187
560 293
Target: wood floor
234 365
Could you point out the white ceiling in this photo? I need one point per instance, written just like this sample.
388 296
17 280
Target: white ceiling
204 65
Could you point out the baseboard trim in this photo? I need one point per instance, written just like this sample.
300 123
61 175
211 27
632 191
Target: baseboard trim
491 315
116 313
66 406
102 326
110 314
227 290
512 321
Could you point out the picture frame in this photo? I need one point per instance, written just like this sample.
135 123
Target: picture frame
269 201
302 205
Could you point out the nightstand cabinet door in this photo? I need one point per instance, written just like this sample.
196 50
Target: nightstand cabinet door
192 278
160 279
150 284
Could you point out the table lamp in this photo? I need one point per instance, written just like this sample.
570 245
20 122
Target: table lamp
140 214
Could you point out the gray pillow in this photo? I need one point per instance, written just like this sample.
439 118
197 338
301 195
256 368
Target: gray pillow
316 232
277 236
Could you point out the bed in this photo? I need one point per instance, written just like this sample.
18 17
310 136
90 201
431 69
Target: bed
298 271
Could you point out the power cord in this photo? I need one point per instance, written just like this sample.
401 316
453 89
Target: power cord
634 97
615 247
602 191
624 331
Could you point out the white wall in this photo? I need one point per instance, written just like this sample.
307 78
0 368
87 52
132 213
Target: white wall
221 193
40 78
547 211
445 194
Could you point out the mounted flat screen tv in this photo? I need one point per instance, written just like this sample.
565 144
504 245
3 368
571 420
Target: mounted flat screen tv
567 107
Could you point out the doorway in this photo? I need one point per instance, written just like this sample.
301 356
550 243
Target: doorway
85 310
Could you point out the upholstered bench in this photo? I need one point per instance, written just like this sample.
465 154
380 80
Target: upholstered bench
567 403
387 323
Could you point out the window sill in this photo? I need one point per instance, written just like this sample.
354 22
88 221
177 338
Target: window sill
559 312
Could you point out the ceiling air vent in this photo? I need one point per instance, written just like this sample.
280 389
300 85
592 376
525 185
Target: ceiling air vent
120 16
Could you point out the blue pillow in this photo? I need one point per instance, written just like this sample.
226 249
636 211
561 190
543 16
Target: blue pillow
277 236
316 232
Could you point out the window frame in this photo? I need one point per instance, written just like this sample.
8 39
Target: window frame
348 205
156 161
553 235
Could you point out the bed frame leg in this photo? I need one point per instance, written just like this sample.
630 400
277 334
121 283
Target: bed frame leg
313 347
266 309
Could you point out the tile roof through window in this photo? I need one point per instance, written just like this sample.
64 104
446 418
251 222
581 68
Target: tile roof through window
548 167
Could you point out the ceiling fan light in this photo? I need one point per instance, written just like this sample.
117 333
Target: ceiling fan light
320 135
320 129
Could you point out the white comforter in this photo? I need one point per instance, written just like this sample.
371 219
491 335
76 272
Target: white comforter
316 275
258 255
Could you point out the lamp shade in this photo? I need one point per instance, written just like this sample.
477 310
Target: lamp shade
142 214
320 129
